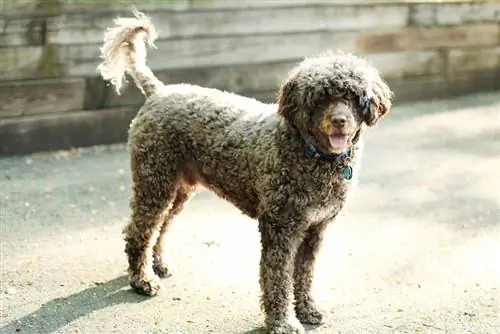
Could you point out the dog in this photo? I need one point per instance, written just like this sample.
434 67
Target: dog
289 165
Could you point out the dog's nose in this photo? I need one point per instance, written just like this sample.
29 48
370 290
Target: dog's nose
339 121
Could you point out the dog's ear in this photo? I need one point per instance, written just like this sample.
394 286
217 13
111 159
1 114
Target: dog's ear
287 99
377 105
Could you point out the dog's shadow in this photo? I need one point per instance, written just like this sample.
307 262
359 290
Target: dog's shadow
59 312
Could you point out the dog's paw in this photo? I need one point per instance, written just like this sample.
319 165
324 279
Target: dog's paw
291 326
162 266
310 315
149 286
162 270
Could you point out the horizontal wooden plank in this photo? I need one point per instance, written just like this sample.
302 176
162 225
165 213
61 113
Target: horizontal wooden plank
426 38
431 14
172 54
16 7
100 5
243 79
244 4
418 88
224 51
429 87
251 78
63 131
411 63
23 31
463 60
26 7
466 82
89 27
19 62
28 97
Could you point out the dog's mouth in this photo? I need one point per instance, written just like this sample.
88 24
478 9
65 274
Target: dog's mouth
338 142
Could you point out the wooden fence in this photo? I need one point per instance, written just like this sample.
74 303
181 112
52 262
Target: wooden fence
49 52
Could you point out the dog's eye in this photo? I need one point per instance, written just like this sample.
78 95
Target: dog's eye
320 107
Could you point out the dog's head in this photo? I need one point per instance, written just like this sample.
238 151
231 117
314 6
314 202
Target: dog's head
329 98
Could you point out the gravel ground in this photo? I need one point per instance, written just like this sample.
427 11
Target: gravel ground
416 251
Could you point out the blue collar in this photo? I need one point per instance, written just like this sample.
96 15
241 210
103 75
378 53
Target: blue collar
334 157
347 171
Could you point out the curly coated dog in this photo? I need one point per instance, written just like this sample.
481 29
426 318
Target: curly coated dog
288 165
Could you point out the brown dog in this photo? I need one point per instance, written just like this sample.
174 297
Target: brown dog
289 165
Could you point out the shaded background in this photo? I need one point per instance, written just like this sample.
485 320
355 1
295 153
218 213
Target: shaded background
52 97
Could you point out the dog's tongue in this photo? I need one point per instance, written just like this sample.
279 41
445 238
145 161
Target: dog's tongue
338 142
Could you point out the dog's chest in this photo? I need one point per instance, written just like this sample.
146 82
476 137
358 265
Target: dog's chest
317 214
326 198
326 207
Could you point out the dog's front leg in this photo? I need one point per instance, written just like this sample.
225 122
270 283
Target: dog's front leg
279 246
305 307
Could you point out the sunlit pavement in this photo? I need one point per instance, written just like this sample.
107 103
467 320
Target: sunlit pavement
417 250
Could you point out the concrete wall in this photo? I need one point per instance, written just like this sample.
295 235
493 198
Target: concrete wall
52 98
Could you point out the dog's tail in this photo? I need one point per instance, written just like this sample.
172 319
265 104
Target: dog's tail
124 51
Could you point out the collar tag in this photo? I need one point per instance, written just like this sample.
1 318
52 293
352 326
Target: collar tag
347 172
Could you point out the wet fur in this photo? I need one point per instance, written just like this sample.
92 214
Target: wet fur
249 153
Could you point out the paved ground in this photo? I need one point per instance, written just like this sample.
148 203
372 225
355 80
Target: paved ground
417 252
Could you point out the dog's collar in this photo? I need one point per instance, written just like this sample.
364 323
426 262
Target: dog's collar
333 157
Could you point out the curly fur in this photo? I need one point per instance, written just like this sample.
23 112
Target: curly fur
249 153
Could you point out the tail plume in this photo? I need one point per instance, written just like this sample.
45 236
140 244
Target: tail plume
124 51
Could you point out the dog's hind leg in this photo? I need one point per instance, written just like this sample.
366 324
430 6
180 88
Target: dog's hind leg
160 263
155 184
305 307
